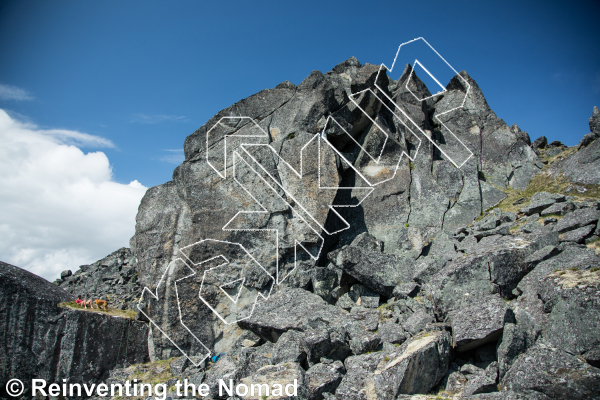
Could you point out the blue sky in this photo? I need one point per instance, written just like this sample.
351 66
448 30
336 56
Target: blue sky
142 75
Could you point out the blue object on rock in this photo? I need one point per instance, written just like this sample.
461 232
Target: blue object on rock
217 357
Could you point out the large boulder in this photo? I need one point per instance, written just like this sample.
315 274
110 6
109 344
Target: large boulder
484 382
294 309
494 267
358 369
379 271
83 346
289 348
415 367
540 142
583 166
322 330
324 378
577 219
572 258
572 305
285 381
516 339
551 373
480 323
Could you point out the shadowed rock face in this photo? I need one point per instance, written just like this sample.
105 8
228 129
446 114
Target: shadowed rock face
426 195
583 166
28 304
41 340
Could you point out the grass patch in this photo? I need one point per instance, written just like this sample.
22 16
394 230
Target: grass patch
543 182
515 229
151 373
115 312
558 157
574 277
595 245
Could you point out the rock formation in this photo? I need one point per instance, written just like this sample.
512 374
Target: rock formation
114 278
426 195
465 268
414 287
41 340
583 166
409 269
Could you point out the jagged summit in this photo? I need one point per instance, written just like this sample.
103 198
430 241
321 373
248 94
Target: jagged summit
413 200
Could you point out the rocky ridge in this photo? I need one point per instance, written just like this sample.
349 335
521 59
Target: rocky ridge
113 278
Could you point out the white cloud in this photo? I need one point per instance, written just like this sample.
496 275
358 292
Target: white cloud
63 136
59 207
10 92
155 119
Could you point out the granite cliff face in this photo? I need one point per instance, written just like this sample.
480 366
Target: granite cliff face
426 195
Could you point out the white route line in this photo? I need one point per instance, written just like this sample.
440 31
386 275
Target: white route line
300 175
296 242
155 296
412 71
224 174
237 297
219 266
437 116
404 153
